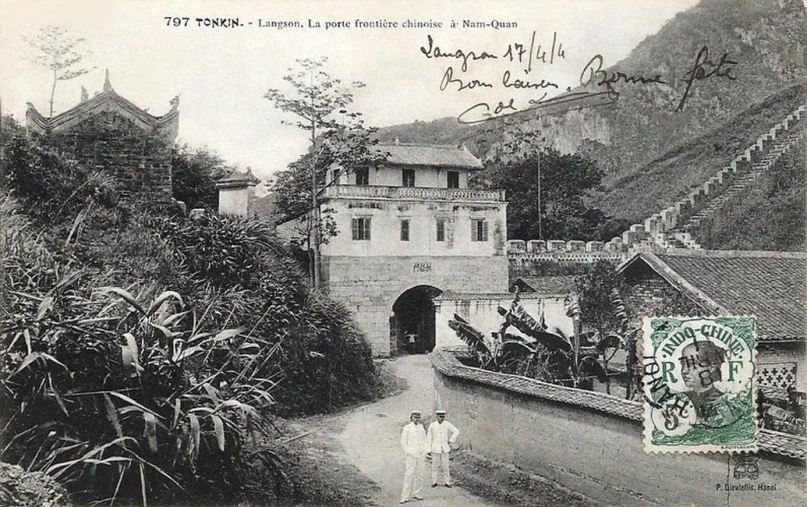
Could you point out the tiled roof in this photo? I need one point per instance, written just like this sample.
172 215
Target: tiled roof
770 285
547 285
429 155
484 296
238 179
103 101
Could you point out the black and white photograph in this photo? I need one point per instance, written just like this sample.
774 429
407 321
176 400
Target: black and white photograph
442 253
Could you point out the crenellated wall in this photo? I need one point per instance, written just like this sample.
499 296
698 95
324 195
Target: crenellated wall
521 253
672 226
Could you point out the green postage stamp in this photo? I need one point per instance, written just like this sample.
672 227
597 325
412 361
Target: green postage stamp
699 385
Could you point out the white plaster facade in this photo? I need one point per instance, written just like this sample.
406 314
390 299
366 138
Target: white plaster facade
411 225
236 193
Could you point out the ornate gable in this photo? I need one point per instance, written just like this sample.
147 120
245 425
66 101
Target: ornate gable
111 103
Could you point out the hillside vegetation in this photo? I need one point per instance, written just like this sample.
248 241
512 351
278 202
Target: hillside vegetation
672 176
770 215
145 353
650 152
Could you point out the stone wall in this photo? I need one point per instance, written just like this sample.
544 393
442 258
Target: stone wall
369 286
592 443
112 144
236 201
672 225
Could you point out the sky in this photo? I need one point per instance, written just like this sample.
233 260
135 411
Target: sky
223 73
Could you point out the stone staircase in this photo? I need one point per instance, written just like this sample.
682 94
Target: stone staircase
673 226
741 183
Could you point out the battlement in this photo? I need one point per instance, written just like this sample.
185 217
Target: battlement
671 227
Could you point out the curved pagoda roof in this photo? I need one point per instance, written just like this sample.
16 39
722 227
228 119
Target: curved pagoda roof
106 101
238 180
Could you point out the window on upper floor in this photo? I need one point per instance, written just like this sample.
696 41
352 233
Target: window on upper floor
453 179
409 177
441 229
479 229
362 176
405 230
361 229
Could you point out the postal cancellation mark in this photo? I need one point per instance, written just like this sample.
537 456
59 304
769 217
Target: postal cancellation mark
698 382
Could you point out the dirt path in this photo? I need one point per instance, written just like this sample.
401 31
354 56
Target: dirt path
371 437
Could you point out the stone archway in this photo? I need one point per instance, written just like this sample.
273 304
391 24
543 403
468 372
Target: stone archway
413 314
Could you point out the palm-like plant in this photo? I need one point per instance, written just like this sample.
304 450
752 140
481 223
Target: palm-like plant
106 389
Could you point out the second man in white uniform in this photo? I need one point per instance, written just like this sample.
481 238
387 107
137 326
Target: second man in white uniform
439 438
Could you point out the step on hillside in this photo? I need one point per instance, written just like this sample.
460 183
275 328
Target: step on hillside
672 227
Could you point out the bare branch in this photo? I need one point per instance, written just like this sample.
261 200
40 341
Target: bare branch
54 49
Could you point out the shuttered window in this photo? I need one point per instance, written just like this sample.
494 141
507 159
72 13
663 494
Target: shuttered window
362 177
479 230
404 230
441 229
409 177
361 229
453 179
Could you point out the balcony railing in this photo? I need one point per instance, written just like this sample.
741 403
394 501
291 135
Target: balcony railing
414 193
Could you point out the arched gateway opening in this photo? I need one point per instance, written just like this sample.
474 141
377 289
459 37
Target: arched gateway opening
412 323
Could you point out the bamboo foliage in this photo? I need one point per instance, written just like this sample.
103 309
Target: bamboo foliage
105 387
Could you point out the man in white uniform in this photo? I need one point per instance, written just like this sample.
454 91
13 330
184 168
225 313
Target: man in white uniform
413 442
438 442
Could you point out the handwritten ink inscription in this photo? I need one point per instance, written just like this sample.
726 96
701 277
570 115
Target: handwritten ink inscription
598 84
704 69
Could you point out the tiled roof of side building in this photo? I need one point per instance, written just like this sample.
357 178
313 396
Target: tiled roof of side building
484 296
106 100
429 155
236 178
770 285
546 285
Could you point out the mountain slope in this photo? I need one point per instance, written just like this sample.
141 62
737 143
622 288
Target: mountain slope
767 39
674 174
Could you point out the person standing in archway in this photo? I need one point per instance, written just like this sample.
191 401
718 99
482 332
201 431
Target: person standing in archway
412 339
439 438
413 442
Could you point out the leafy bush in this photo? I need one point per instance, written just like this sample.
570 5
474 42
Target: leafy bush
326 363
226 250
54 189
323 361
132 396
193 176
124 389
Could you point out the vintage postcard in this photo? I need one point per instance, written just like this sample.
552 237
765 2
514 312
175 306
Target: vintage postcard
699 387
456 252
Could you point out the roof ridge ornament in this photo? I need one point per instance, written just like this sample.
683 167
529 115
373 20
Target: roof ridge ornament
107 84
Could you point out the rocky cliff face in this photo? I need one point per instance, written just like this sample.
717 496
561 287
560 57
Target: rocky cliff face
767 39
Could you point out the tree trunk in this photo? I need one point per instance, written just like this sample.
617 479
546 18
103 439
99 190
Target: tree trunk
52 93
315 230
315 239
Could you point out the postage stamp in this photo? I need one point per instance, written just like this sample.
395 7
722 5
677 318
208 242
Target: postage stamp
699 386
